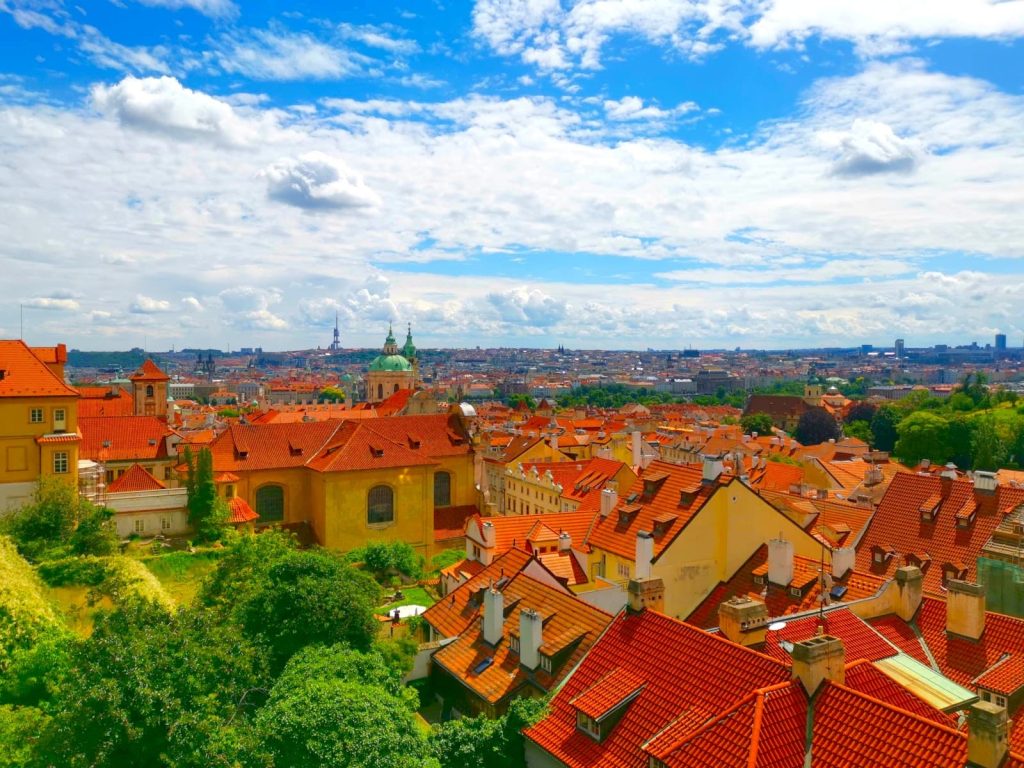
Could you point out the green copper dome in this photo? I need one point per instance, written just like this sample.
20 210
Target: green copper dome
390 363
409 350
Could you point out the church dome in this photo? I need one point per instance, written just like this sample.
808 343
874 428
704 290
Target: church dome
390 363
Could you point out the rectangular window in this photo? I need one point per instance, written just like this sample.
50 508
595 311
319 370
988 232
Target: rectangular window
110 476
167 473
35 415
140 526
60 463
59 418
588 725
165 523
545 664
623 569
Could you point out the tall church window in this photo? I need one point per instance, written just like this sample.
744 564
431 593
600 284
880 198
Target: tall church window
442 489
380 391
149 390
396 387
380 505
270 503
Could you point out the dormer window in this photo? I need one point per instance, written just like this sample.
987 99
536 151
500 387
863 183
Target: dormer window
513 643
930 508
588 725
545 663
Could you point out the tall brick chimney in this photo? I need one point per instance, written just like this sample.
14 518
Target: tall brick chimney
818 659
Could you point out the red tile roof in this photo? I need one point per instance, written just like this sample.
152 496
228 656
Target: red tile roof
854 729
608 693
519 530
121 438
681 493
460 608
860 641
684 669
764 729
100 401
135 478
240 512
897 523
25 375
864 677
450 522
149 372
570 627
902 635
1005 677
779 599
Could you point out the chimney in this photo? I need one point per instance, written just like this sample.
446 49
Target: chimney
637 450
743 620
780 561
985 482
965 609
712 469
645 594
988 731
494 615
946 485
554 445
843 559
609 498
818 659
531 631
487 534
644 554
564 542
910 582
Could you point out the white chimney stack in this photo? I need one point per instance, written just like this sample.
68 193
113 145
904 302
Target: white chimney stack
644 554
984 481
609 498
487 533
780 561
637 450
554 445
494 615
713 468
843 559
531 632
564 542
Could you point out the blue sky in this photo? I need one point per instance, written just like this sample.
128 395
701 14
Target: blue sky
596 173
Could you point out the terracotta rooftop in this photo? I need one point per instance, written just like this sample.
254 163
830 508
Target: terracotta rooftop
149 371
240 512
123 438
23 374
135 478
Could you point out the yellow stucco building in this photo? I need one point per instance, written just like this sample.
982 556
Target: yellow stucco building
38 421
690 526
352 481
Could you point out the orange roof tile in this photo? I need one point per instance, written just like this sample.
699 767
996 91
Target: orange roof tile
512 531
863 676
149 371
450 522
860 640
240 512
608 693
23 374
135 478
1004 677
104 401
121 438
570 627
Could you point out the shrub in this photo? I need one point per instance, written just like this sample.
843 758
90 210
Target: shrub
25 615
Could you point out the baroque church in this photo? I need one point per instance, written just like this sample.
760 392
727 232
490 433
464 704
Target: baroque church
392 370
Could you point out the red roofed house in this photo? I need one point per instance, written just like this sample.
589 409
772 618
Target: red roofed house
692 526
38 421
144 506
529 637
375 479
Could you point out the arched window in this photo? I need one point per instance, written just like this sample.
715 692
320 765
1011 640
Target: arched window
396 387
380 391
380 505
270 503
149 390
442 489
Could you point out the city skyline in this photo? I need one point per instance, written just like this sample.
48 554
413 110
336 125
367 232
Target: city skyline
770 176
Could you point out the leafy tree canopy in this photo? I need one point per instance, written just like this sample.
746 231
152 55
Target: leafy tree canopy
816 426
757 422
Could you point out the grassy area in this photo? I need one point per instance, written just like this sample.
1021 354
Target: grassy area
412 596
181 573
73 604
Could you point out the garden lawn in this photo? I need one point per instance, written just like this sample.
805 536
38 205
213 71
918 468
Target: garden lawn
413 596
181 573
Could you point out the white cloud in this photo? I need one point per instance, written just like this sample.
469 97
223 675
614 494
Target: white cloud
248 307
146 305
384 38
164 105
64 303
632 108
872 147
192 303
278 54
217 9
317 181
527 305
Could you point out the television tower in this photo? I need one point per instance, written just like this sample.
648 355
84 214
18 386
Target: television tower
336 344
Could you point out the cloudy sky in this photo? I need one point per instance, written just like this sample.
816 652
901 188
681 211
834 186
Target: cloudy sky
595 173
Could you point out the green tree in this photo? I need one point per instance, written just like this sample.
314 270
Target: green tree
883 427
148 688
960 439
816 426
19 730
757 422
988 451
207 512
860 412
309 598
923 435
481 742
332 395
860 430
243 570
50 523
386 557
338 719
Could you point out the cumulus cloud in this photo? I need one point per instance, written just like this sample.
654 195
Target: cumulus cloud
871 147
146 305
192 303
164 105
56 301
530 306
248 307
317 181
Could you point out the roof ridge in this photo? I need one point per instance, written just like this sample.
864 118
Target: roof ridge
893 707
